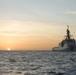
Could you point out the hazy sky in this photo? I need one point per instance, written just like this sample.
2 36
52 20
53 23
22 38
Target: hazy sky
35 24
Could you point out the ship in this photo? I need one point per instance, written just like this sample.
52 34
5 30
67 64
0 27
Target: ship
67 44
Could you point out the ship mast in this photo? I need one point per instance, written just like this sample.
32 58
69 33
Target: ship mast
68 32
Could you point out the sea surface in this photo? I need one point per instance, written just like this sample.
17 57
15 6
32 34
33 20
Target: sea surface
37 63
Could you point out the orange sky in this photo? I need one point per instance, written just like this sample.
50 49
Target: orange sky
19 35
25 43
33 39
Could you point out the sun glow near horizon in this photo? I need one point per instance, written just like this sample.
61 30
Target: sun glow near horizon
8 49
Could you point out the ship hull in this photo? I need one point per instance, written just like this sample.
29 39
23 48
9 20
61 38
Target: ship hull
67 49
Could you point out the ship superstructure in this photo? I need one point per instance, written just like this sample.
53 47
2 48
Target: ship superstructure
68 44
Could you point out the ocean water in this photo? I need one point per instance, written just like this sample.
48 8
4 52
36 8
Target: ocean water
37 63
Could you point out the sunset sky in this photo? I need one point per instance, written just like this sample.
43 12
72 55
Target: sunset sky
35 24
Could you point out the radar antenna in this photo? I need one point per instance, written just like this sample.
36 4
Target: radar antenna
68 32
68 27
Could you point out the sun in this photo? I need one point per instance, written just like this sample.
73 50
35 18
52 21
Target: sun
8 49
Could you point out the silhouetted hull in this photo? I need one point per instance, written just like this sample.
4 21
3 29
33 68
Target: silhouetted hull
68 49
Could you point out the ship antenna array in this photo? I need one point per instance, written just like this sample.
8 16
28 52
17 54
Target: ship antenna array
68 27
68 32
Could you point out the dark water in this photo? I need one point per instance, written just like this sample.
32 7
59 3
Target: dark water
37 63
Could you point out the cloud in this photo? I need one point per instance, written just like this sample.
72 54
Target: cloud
71 12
